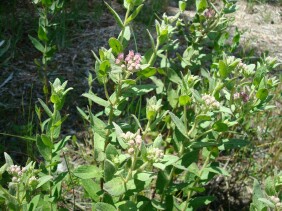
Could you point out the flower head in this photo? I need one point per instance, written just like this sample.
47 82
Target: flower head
154 154
210 101
131 62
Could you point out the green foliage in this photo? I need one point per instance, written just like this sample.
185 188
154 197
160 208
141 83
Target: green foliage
164 119
270 197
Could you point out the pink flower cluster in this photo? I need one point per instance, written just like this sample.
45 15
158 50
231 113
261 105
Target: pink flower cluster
16 172
154 154
134 141
131 62
209 13
211 101
244 96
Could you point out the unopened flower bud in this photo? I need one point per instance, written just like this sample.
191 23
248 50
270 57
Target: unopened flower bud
210 101
236 96
118 61
130 151
275 199
131 142
121 56
279 204
138 140
14 179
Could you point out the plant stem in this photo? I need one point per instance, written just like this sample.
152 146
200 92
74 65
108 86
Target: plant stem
190 192
123 29
154 54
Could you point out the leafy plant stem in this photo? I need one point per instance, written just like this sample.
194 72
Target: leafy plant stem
154 54
170 177
195 183
70 180
185 117
45 89
123 29
133 162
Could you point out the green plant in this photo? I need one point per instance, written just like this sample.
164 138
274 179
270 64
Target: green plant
45 43
165 116
30 188
270 196
151 161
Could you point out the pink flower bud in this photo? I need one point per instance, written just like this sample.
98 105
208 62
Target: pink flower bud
131 142
118 61
121 56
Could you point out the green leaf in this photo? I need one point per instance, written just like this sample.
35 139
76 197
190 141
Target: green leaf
101 206
158 141
151 39
8 159
42 34
45 107
127 34
92 188
32 205
270 186
223 69
145 176
44 179
187 159
116 16
47 140
44 150
127 206
267 202
109 170
87 172
119 131
137 90
179 124
111 151
184 100
61 144
134 14
83 114
158 205
115 187
182 5
257 194
199 201
202 117
166 161
233 144
115 45
147 72
198 145
96 99
37 44
98 126
173 76
220 126
104 67
217 170
225 110
262 94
